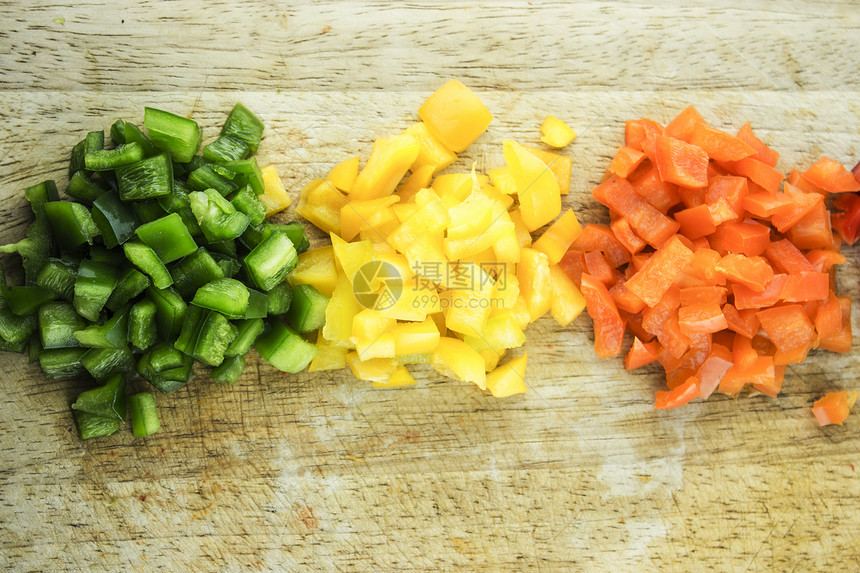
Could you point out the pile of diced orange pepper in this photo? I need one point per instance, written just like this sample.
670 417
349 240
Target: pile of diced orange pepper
462 278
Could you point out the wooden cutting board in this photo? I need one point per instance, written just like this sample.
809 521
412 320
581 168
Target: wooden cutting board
321 471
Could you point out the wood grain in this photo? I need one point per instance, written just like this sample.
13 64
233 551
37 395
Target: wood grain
322 472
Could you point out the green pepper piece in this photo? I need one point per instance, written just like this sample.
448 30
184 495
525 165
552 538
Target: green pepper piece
164 356
280 298
91 426
76 161
245 201
114 219
59 277
14 329
166 381
247 173
178 202
194 271
218 219
109 159
226 148
38 244
242 123
247 332
170 311
61 362
307 310
131 283
144 416
147 210
227 296
269 263
27 299
146 179
205 177
180 136
168 237
145 259
104 362
142 332
112 334
34 348
107 401
258 304
83 188
125 132
205 335
58 322
230 370
93 286
284 349
111 257
293 230
71 223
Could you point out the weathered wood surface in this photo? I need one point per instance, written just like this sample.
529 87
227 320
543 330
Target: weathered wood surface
320 471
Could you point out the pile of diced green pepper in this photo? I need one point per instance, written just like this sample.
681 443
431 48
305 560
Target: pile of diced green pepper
162 259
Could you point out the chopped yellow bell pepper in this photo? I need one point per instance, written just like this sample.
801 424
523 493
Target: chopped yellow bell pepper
373 370
417 180
320 203
507 288
433 152
274 196
509 378
430 218
406 359
534 280
491 358
328 358
560 165
339 313
373 213
556 133
456 359
503 180
316 267
417 300
416 337
352 256
524 237
537 187
500 333
344 173
567 301
520 313
557 238
507 247
455 115
400 377
368 325
389 160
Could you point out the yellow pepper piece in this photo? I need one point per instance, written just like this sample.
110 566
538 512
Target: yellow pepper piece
537 187
491 359
534 280
509 378
274 196
416 337
558 237
555 132
430 218
520 313
400 377
377 236
344 173
503 180
455 115
469 218
372 213
468 309
507 247
328 358
501 332
373 370
341 309
560 165
422 358
404 211
493 194
433 152
351 256
416 301
507 288
399 262
316 267
368 325
389 160
456 359
417 180
524 237
567 300
320 203
453 188
439 320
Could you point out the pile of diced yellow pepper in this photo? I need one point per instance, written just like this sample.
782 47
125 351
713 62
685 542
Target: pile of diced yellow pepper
447 260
